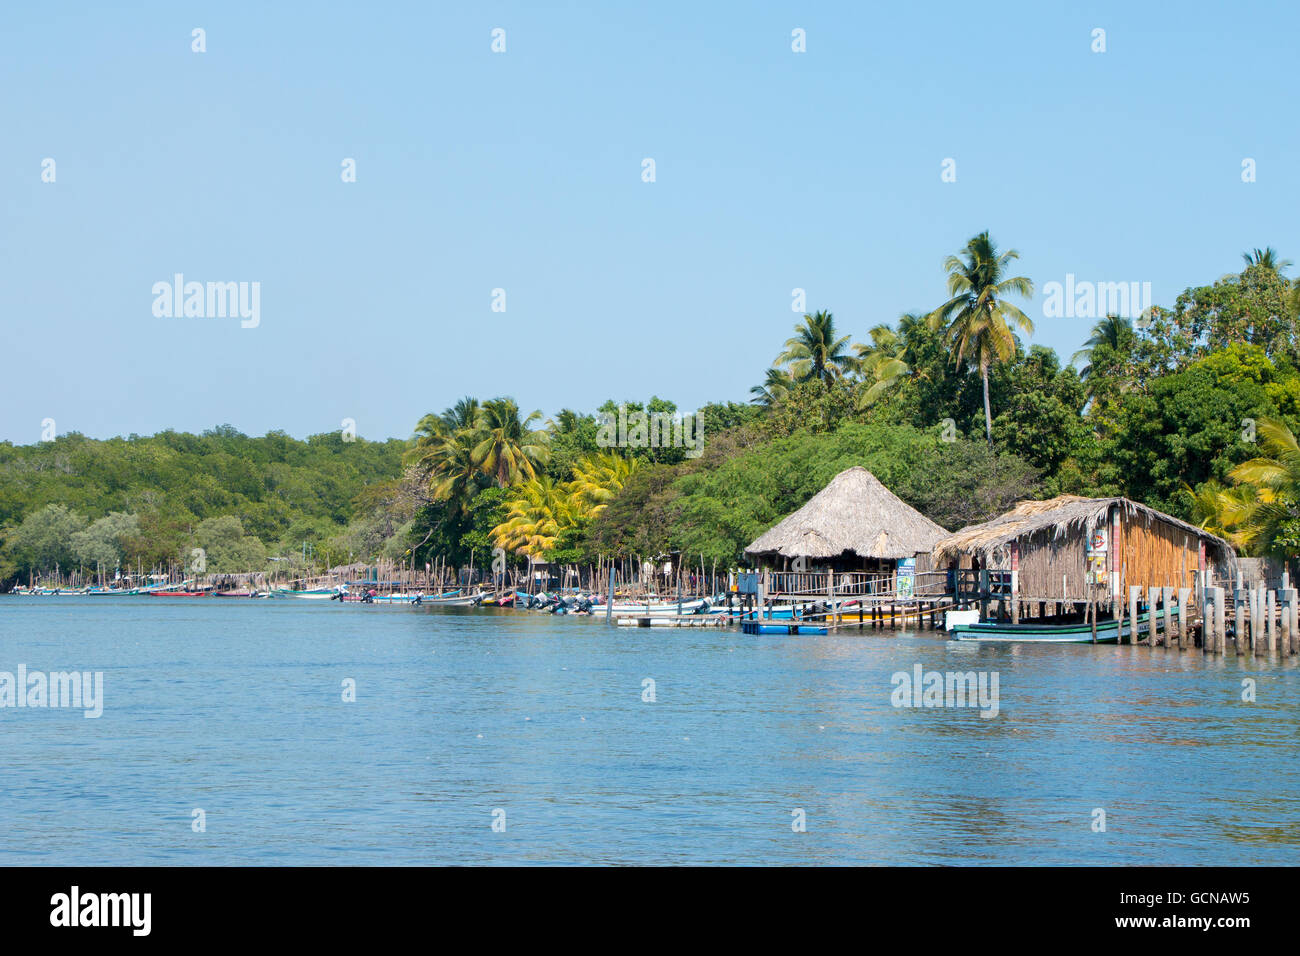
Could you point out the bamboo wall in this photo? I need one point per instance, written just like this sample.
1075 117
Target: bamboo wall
1152 552
1044 558
1149 552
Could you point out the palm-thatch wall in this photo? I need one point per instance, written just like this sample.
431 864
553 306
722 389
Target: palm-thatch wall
854 516
1143 547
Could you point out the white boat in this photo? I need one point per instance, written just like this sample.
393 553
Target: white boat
310 594
656 608
455 600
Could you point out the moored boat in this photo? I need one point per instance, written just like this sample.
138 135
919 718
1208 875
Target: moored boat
1108 631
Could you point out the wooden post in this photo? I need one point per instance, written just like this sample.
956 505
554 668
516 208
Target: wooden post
1294 608
1255 616
1134 592
830 594
1269 624
1171 631
1185 616
1219 624
609 598
1200 573
1015 582
1284 618
1092 613
1207 620
1239 641
984 594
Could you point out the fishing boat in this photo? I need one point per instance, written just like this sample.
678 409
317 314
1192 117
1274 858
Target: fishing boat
1108 631
398 599
656 608
457 598
367 598
311 594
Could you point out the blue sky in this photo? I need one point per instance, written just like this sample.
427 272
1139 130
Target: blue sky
522 170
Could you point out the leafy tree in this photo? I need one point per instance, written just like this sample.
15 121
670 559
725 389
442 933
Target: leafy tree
44 540
1041 403
1251 308
1196 425
226 547
104 543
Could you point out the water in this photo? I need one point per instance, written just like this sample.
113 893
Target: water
235 707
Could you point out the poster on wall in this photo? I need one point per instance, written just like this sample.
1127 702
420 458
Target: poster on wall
1098 545
906 578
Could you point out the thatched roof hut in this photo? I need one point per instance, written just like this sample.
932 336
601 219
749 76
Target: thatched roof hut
1062 515
853 515
1065 545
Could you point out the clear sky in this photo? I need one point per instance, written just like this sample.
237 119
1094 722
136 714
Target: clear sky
522 171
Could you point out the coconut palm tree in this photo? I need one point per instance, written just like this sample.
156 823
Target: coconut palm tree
598 478
1114 332
1109 357
814 352
885 362
464 414
509 449
1222 511
1268 258
1274 514
538 511
977 316
776 386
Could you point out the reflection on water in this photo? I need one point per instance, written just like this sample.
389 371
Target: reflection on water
236 708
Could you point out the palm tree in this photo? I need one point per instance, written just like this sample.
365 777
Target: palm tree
567 421
977 316
509 449
883 362
814 353
598 478
537 512
1274 512
464 414
1222 511
453 474
1112 332
776 386
1108 353
1268 258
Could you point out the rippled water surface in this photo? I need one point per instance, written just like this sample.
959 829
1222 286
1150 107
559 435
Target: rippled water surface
235 707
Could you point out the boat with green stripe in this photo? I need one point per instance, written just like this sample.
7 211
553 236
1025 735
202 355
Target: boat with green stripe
1108 631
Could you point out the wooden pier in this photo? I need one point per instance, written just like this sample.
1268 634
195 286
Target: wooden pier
1253 620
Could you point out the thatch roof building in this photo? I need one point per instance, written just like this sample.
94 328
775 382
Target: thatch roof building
1077 549
854 516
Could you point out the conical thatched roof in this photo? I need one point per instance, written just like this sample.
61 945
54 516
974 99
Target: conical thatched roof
854 513
1061 514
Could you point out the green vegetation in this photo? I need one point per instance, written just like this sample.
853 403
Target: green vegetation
81 503
1191 409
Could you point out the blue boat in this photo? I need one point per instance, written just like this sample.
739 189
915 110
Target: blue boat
780 627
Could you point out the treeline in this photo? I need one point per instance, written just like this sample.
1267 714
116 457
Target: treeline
77 502
1190 408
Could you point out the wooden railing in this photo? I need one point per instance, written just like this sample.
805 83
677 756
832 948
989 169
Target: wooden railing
847 584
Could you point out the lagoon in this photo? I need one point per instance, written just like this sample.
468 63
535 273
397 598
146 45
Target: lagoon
466 717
